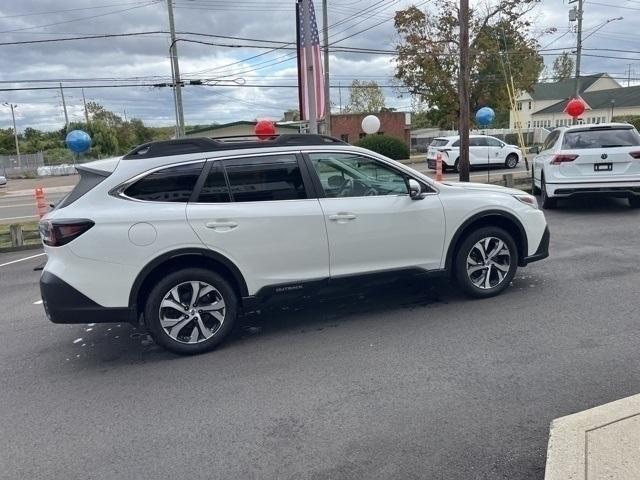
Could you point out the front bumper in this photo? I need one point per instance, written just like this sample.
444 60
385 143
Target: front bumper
542 252
64 304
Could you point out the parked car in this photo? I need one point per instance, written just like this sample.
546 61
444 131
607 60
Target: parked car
184 234
3 180
483 150
599 159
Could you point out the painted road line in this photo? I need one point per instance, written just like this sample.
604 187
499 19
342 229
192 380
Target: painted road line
21 259
18 218
19 205
38 302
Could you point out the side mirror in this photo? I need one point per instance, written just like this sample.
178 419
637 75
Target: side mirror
535 149
415 190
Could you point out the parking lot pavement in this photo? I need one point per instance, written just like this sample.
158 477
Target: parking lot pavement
477 174
409 381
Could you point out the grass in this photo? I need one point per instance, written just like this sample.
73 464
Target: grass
29 232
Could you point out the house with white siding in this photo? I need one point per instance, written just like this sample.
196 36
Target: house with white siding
545 105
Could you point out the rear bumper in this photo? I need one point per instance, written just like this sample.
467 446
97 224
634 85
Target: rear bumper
542 251
622 189
64 304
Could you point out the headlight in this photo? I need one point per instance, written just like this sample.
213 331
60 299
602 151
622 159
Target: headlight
527 200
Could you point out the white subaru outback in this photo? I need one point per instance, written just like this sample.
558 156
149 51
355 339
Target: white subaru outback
185 234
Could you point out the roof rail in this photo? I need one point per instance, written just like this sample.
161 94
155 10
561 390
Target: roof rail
202 144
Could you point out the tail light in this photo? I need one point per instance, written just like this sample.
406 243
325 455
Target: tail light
635 155
561 158
55 233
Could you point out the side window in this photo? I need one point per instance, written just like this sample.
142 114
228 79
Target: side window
172 184
261 179
456 143
493 142
348 175
215 188
551 140
477 142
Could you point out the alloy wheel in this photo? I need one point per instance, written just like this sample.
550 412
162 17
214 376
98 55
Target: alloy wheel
192 312
488 263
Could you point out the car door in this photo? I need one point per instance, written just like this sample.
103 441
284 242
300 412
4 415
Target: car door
478 151
259 212
372 223
495 150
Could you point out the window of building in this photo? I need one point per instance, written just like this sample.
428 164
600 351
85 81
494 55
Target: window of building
348 175
530 105
344 137
519 105
265 178
172 184
362 135
381 133
529 124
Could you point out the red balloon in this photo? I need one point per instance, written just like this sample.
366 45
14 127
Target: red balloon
575 107
265 129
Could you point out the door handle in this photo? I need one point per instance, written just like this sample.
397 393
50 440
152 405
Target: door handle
221 225
342 216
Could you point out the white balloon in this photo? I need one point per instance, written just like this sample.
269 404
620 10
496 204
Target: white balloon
370 124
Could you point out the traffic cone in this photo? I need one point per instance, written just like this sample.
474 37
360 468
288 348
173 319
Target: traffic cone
41 202
439 167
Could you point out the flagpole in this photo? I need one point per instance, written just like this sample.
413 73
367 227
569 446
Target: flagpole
311 90
299 60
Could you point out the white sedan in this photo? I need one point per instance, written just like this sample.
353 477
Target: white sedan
597 159
3 180
483 151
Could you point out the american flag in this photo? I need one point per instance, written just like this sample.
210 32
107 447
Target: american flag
312 42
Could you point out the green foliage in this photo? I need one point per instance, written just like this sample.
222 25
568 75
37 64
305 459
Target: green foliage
563 67
632 119
428 51
384 145
366 97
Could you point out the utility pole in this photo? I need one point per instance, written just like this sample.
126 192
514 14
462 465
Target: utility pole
64 107
86 112
15 131
311 92
463 90
177 85
629 77
327 90
579 16
340 95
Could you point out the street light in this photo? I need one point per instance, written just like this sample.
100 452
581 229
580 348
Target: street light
603 24
15 131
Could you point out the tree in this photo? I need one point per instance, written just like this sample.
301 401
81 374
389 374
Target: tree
500 44
563 67
366 97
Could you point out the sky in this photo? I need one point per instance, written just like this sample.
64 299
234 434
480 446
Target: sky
144 59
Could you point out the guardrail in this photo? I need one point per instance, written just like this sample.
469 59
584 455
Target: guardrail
19 236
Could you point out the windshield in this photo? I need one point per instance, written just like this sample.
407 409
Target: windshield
438 142
601 138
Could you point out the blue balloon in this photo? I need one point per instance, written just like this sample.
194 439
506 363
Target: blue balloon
78 141
485 116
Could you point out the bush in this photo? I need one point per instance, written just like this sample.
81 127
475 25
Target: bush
384 145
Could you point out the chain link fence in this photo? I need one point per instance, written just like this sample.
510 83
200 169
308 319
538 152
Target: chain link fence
25 165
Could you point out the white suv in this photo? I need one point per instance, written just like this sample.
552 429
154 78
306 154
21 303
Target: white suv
185 234
599 159
483 151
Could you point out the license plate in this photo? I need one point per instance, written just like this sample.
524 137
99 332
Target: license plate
603 167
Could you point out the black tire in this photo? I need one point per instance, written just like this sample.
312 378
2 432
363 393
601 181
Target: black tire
534 190
511 161
634 202
464 278
456 164
547 203
182 277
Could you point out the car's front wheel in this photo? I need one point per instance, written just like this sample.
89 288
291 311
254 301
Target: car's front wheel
511 161
486 262
191 311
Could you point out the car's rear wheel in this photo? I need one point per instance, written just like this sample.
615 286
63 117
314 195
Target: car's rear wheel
547 202
191 311
486 262
456 165
634 202
511 161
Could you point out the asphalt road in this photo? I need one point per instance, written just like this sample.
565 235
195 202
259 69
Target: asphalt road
401 382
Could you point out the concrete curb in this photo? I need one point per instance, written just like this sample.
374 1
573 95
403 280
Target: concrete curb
19 249
600 443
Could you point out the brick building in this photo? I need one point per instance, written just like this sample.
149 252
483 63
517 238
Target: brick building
348 126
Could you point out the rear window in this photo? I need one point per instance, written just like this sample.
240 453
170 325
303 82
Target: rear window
88 181
438 142
601 138
173 184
